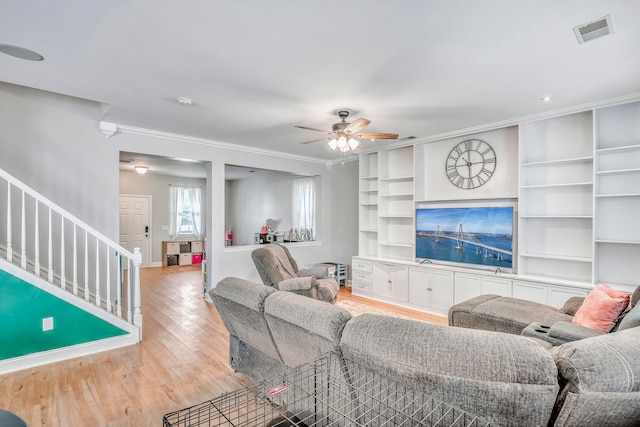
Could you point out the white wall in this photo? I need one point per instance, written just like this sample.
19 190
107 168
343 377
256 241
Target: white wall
251 201
431 179
53 144
157 186
341 229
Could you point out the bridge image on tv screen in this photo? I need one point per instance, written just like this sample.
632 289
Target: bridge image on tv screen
475 235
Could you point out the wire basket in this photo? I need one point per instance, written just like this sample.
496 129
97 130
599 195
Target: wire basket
328 392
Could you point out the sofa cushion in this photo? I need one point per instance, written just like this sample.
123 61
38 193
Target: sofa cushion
240 304
631 319
295 284
600 381
601 308
502 314
304 329
634 320
493 375
274 264
571 306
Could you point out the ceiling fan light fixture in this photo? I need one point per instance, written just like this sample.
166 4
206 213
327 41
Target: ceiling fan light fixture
20 52
342 133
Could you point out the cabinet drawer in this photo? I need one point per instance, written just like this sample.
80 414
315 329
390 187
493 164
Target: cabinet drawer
362 287
185 259
360 265
196 246
361 277
173 248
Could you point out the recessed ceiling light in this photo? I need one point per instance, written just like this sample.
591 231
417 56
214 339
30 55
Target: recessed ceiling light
546 99
20 52
185 101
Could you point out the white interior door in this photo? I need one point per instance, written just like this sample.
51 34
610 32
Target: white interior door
135 225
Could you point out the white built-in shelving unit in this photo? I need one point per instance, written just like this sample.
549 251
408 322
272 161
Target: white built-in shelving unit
578 205
368 208
556 198
617 195
395 204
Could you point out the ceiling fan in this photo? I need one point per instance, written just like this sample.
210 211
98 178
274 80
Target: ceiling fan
344 134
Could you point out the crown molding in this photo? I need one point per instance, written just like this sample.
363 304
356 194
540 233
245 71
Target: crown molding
610 102
203 141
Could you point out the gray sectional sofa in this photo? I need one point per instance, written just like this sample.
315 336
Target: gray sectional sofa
507 379
517 316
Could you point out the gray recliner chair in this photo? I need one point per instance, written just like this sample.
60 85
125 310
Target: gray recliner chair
278 269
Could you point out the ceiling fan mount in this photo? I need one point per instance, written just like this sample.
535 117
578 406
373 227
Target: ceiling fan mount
343 114
343 134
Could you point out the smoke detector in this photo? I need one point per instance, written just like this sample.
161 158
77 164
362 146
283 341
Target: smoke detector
594 29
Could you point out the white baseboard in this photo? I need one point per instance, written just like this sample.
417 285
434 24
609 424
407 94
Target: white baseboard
65 353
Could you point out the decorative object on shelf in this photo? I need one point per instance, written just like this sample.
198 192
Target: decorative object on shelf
272 225
344 134
470 164
228 237
299 235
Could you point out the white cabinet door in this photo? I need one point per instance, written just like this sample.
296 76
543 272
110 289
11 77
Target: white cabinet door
496 286
391 281
558 296
431 289
530 291
420 287
466 286
441 290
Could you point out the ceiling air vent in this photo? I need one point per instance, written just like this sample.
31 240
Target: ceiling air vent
593 30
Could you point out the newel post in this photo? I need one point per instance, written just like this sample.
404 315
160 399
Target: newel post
137 311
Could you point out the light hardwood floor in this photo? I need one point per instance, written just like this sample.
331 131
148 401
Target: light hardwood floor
181 361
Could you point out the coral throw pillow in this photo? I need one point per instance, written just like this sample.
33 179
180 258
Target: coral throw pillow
601 308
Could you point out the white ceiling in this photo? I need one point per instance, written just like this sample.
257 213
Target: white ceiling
254 68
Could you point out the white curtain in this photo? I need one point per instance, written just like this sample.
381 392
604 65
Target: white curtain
196 197
175 211
185 201
303 204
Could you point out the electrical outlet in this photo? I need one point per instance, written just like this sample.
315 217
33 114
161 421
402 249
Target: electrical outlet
47 324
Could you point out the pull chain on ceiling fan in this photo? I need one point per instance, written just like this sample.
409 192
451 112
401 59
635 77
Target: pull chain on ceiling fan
343 135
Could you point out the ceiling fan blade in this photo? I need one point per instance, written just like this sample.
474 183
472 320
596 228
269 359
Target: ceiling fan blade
357 125
377 135
316 140
315 130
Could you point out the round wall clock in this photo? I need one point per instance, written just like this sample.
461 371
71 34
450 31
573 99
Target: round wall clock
470 164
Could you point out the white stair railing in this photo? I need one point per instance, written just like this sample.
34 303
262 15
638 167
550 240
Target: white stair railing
79 259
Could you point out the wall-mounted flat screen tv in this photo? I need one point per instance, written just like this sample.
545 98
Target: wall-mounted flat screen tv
479 236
